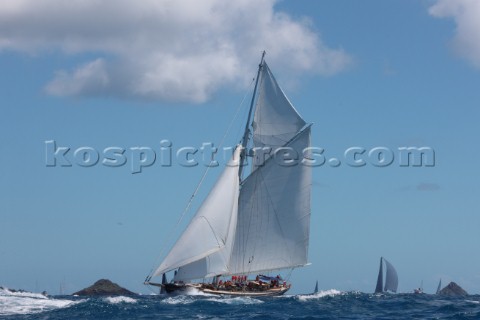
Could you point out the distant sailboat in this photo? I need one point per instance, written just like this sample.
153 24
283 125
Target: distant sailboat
316 288
419 289
439 286
250 225
391 278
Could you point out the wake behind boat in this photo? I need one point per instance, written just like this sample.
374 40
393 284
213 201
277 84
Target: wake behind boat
248 227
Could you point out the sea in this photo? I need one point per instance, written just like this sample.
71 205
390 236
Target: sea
329 304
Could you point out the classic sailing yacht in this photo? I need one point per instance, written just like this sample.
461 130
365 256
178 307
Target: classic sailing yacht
252 225
391 278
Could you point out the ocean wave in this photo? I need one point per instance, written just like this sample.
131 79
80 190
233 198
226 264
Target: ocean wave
196 292
7 292
178 300
13 303
318 295
236 300
119 299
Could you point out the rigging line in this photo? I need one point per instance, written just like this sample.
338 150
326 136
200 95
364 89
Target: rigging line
190 201
246 135
213 231
289 274
236 114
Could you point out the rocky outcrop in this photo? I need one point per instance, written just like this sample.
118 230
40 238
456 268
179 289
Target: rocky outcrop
104 287
452 289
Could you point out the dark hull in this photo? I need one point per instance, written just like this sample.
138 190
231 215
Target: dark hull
244 292
175 287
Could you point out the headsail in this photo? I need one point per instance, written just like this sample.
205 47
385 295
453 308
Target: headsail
164 282
379 287
210 230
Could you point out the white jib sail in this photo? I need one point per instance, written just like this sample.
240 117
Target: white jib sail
210 230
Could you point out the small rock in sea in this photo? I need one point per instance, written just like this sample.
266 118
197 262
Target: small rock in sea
453 289
104 287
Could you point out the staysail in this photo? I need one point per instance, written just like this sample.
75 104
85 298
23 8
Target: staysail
379 286
210 230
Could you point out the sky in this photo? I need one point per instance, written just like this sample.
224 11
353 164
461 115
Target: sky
368 74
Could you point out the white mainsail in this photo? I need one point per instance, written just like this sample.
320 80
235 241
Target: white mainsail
261 223
274 206
274 215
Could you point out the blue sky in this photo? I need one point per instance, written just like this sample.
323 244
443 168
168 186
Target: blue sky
370 73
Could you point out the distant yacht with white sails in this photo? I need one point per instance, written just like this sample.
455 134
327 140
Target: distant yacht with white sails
249 227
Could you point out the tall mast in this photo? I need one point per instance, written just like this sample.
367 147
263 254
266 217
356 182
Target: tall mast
243 155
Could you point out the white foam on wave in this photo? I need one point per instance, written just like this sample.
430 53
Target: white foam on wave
178 300
12 303
7 292
195 292
119 299
187 299
473 301
318 295
236 300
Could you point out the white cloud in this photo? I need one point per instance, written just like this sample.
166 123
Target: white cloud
167 50
91 78
466 14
